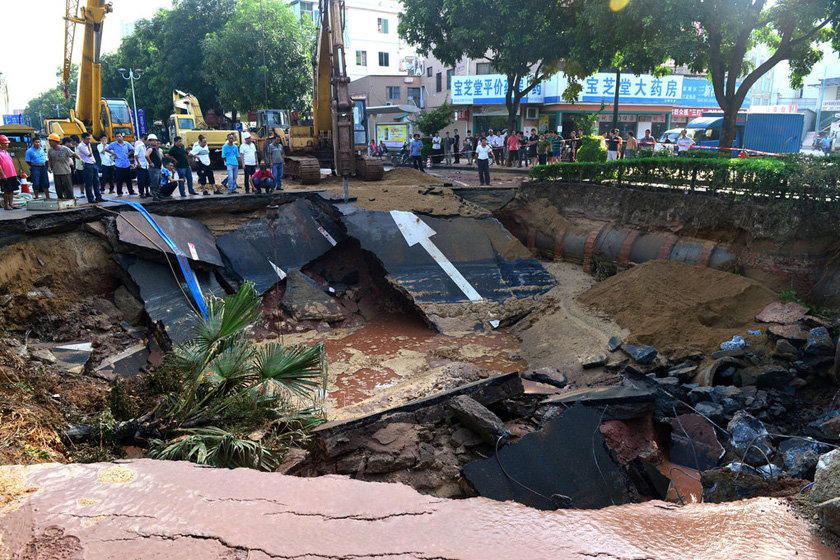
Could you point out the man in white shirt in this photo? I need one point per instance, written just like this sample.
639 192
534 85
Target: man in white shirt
201 153
483 153
684 143
248 155
107 162
142 166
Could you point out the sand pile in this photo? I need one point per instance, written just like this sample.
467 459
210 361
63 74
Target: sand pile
679 308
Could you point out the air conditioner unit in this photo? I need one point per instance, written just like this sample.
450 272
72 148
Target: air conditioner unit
532 113
388 103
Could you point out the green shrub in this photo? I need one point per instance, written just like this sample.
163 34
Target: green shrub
591 150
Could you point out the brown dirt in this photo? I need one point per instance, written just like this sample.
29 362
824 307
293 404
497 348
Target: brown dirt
402 189
679 308
559 332
13 488
70 265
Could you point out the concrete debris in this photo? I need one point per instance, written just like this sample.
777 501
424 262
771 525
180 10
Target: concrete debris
264 251
70 357
618 403
829 514
782 313
694 443
105 306
737 343
819 342
43 355
596 360
642 355
796 334
800 456
131 308
726 485
127 363
164 296
750 438
480 419
136 236
305 301
614 344
547 375
683 372
827 477
77 433
550 462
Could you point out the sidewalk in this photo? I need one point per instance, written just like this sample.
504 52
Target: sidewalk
493 168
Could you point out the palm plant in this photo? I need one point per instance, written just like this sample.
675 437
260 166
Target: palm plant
221 367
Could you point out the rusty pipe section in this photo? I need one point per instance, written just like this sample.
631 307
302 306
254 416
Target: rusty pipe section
588 244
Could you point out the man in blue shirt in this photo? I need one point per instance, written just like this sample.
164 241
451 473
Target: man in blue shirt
417 153
36 157
120 150
230 153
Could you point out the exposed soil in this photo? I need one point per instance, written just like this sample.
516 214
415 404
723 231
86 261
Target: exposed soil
402 189
679 308
43 276
559 331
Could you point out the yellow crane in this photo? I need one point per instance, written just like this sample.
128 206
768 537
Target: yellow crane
93 113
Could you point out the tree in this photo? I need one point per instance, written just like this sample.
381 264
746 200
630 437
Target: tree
52 103
715 36
168 47
261 57
432 122
226 386
522 39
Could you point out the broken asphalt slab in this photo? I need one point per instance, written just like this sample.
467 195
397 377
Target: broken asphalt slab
617 402
165 298
565 464
444 260
167 509
263 251
70 357
136 236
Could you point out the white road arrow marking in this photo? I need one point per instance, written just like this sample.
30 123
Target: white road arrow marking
277 269
417 231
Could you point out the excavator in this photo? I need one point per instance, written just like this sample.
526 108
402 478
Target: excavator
338 131
93 113
188 122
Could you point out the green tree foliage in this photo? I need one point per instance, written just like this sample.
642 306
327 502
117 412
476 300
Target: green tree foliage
45 104
169 48
522 39
228 385
261 57
713 37
431 122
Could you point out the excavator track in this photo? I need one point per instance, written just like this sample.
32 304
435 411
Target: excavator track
307 170
369 168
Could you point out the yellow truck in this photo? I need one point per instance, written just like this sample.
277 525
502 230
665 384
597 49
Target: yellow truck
187 121
20 139
93 113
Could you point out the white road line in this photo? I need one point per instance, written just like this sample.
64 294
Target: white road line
278 270
416 231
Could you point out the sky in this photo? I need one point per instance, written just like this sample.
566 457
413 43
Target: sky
33 38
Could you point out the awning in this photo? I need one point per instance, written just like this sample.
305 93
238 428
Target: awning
392 109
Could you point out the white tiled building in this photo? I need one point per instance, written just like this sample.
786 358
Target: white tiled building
372 45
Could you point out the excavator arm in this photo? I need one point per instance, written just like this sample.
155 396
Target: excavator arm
332 105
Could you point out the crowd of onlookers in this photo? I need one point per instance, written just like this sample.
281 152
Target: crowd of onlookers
76 162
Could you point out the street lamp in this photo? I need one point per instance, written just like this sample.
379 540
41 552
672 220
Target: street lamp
132 74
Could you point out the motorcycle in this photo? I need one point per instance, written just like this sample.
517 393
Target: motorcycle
401 158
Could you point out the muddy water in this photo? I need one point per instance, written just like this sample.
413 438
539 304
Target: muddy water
398 348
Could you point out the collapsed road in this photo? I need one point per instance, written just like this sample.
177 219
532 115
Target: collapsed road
459 364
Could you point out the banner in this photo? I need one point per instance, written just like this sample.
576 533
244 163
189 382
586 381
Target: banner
632 89
490 89
394 135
